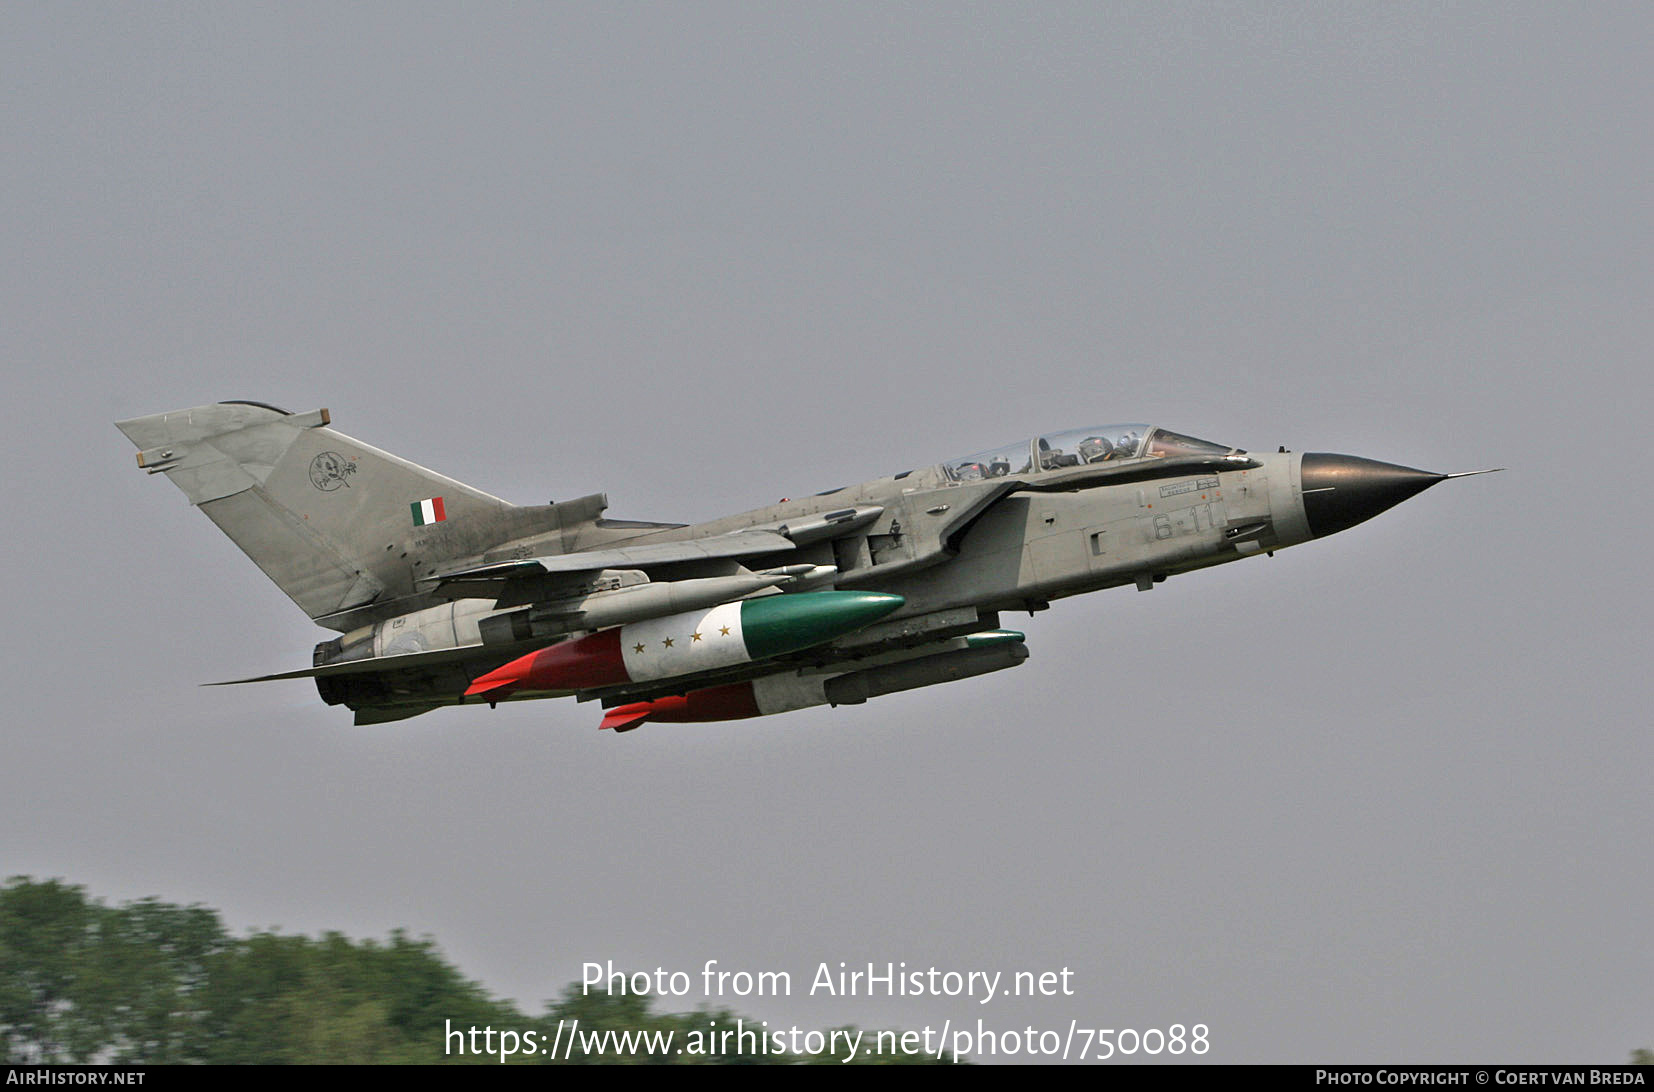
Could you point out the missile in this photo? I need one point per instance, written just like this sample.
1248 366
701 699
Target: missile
634 603
690 642
976 654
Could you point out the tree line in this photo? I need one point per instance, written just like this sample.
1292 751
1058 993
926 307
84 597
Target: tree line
153 983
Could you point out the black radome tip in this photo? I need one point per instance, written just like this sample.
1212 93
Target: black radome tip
1341 491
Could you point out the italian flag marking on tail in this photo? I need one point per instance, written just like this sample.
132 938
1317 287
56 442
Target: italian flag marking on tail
428 511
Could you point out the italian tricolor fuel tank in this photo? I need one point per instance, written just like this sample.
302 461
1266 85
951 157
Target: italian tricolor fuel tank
690 642
959 658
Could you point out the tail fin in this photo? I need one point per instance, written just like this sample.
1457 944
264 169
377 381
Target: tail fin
343 528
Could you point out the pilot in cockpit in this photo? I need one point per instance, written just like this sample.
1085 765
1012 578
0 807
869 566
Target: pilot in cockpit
1053 458
1095 449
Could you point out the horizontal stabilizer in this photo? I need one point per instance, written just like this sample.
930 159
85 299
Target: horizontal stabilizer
377 664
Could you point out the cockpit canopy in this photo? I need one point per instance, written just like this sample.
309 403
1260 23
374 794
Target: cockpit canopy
1076 447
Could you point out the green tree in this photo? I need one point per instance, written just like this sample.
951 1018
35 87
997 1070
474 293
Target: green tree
150 982
43 928
145 976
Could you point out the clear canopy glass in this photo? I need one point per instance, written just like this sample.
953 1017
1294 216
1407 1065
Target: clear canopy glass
1011 459
1078 447
1097 444
1165 442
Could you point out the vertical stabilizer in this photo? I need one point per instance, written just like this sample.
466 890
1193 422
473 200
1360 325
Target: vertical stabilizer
337 524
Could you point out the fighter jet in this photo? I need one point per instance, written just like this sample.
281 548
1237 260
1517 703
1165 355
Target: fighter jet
444 595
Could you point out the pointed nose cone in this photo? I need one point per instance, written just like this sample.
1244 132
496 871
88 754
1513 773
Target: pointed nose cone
1341 491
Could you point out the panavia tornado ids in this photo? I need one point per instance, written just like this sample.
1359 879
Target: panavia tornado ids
445 595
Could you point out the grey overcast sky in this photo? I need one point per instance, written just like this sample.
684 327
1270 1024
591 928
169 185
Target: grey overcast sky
1379 798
